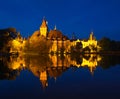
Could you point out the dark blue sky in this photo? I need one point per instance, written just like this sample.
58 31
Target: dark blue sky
78 16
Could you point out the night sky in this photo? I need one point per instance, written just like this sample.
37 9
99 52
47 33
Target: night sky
78 16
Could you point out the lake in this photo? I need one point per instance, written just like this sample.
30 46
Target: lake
88 76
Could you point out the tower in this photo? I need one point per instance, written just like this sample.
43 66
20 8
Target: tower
43 79
91 36
44 28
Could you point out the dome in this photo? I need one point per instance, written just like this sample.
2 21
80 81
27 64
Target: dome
35 35
54 34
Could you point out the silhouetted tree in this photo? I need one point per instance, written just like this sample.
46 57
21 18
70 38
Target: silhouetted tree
109 60
78 46
7 35
86 49
109 45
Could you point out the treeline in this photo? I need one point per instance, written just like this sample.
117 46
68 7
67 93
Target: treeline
6 35
107 44
109 61
5 71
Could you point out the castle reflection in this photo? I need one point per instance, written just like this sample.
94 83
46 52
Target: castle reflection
45 66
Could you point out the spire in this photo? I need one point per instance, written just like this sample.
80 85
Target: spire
44 23
43 79
91 36
73 36
44 84
44 28
92 70
55 28
55 78
92 33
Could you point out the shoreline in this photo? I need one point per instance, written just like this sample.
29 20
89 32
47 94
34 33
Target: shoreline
80 53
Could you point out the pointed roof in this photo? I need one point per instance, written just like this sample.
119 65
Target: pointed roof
54 34
91 33
92 37
44 23
44 84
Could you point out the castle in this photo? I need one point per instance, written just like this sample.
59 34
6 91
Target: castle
60 42
43 69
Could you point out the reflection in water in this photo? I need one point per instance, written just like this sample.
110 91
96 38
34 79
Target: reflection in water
45 66
8 68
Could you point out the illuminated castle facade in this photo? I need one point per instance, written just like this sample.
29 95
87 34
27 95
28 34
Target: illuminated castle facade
43 69
44 28
18 44
61 42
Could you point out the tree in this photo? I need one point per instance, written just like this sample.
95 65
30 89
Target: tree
105 44
109 45
6 36
86 49
78 46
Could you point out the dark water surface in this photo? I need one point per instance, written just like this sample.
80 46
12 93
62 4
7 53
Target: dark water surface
60 77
